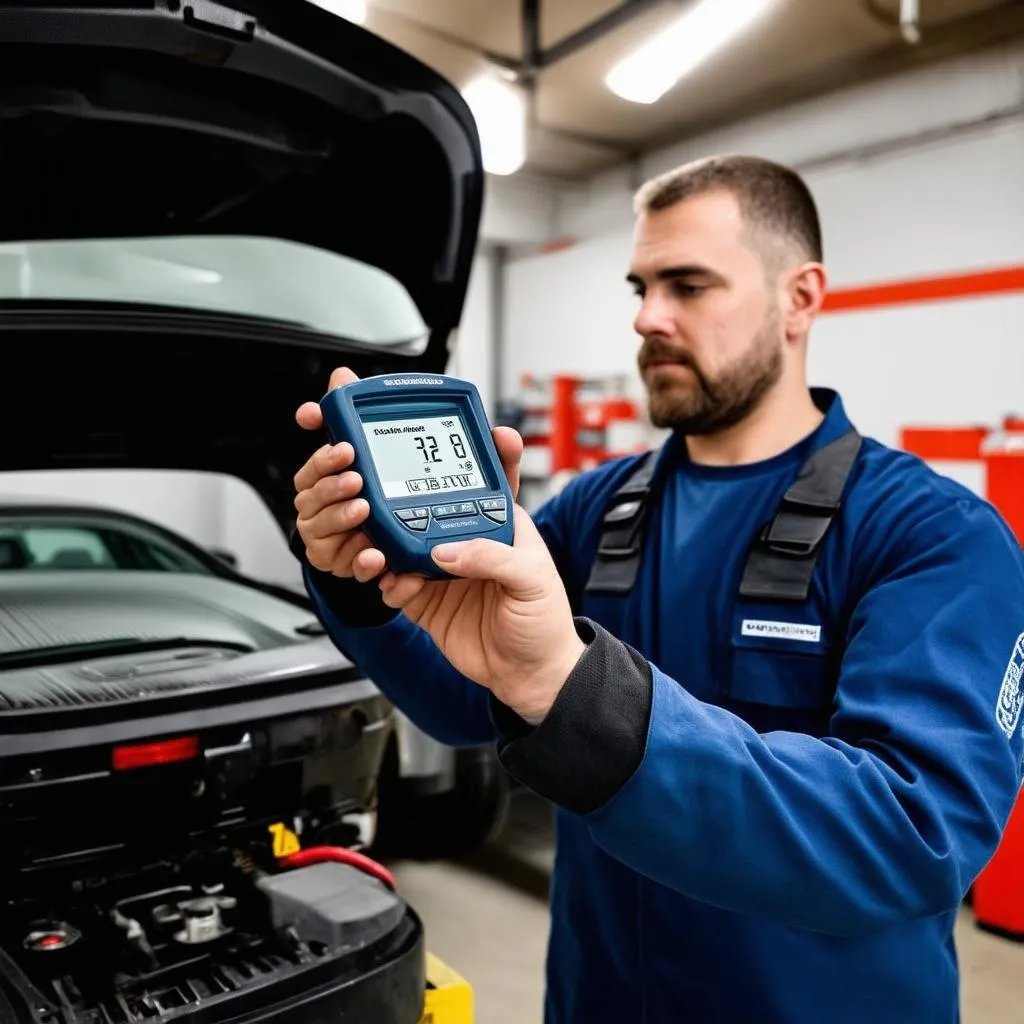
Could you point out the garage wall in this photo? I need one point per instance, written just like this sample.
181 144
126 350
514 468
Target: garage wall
518 209
916 177
472 349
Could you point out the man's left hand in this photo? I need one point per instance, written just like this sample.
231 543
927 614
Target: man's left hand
505 623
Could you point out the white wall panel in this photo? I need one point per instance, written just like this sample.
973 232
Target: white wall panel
521 209
948 364
943 207
472 350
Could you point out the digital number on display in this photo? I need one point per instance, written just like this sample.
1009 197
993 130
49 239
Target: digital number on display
423 456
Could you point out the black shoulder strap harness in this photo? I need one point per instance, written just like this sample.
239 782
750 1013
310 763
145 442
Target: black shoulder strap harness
782 556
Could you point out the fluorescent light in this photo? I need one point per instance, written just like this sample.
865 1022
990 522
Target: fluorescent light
649 72
499 109
350 10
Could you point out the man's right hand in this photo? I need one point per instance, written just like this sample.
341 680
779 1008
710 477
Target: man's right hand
330 510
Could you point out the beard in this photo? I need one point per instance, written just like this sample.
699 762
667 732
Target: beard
704 405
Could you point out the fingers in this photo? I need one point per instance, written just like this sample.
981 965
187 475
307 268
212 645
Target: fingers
309 417
327 491
349 554
335 520
400 591
330 514
510 450
332 536
336 553
325 461
368 563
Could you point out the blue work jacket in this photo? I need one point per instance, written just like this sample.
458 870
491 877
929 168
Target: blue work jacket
756 823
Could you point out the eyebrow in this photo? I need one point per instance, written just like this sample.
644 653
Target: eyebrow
673 273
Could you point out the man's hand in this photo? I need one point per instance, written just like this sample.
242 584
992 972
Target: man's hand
505 622
330 511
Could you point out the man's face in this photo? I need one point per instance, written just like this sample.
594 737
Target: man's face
710 322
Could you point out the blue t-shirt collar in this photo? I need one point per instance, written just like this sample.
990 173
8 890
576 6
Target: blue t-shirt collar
834 425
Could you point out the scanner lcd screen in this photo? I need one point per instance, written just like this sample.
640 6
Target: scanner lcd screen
423 455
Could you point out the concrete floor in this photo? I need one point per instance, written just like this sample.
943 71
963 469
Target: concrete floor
487 918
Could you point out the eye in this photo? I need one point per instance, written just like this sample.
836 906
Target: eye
685 290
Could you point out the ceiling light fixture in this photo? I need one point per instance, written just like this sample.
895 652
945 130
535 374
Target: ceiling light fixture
909 15
350 10
649 72
499 109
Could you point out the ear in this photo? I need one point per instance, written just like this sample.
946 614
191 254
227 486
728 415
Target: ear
804 293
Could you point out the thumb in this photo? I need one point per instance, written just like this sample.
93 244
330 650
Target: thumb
521 567
482 559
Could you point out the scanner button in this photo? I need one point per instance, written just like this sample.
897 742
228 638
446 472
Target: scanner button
466 508
405 514
500 517
492 505
419 525
444 511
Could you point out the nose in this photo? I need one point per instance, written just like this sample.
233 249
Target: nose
654 316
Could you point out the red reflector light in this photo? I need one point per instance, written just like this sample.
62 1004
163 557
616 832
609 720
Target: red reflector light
49 941
146 754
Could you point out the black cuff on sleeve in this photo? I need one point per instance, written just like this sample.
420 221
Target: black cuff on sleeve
593 739
355 604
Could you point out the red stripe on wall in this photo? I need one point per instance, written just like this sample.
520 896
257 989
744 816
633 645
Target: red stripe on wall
927 289
958 443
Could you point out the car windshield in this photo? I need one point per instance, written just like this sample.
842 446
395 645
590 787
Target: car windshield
268 278
62 543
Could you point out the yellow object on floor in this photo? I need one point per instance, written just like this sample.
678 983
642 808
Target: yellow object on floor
449 998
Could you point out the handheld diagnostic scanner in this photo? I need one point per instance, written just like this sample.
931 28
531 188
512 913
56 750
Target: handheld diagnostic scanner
430 470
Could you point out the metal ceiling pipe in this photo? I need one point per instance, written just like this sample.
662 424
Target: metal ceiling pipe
532 55
599 27
909 17
535 59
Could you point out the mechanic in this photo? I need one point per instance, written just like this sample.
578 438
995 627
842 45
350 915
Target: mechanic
783 734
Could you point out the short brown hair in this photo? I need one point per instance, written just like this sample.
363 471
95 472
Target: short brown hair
772 197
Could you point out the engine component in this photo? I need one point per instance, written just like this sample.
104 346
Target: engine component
201 918
135 936
50 936
211 942
333 904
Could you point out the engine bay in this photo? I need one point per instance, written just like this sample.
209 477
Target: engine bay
181 941
207 875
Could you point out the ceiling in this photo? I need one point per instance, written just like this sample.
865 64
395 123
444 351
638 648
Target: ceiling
577 126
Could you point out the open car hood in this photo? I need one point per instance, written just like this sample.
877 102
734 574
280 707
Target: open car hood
206 207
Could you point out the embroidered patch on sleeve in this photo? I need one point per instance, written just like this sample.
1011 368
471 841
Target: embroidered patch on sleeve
1011 693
